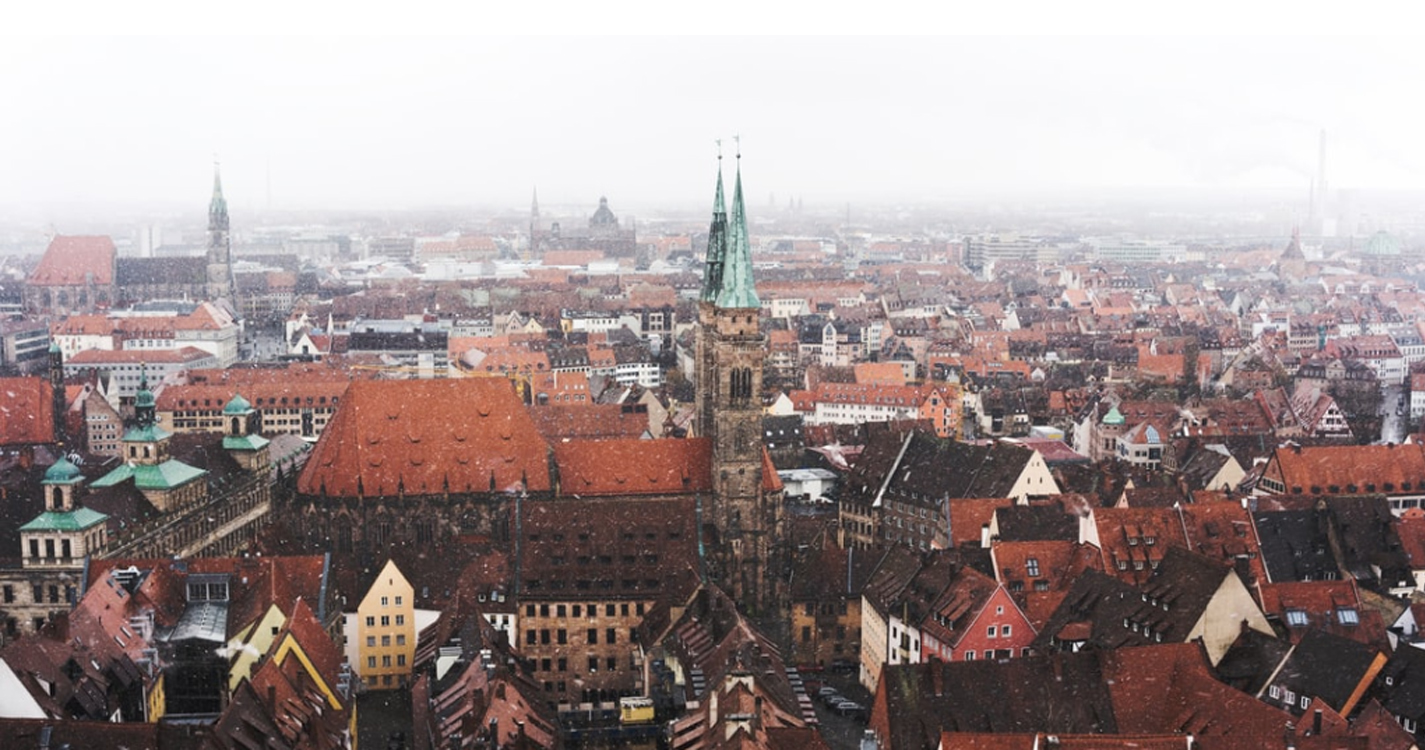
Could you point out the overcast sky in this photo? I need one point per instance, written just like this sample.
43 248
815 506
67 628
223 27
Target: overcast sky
406 122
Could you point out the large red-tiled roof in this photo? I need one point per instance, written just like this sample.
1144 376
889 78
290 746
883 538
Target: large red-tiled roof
424 436
567 422
1389 469
138 356
76 260
26 413
634 467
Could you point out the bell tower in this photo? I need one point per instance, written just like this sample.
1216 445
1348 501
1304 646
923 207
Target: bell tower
743 518
220 247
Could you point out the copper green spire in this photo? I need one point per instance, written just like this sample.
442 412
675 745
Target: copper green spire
717 243
736 288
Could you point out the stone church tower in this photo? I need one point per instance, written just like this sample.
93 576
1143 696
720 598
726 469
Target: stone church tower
742 518
220 246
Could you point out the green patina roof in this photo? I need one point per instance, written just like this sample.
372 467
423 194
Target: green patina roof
63 472
737 289
248 443
1113 417
1381 243
218 205
237 406
150 433
164 476
717 244
65 520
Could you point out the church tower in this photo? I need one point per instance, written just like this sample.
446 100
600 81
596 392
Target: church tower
742 518
220 247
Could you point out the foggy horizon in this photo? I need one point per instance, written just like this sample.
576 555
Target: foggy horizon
119 124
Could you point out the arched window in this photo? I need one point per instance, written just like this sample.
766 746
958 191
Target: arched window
237 426
58 499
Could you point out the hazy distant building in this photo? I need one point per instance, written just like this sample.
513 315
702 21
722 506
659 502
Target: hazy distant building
603 233
987 249
1136 251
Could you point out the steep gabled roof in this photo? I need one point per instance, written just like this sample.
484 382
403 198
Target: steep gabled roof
76 260
422 436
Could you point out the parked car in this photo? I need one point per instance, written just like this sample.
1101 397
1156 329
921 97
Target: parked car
826 690
832 699
850 708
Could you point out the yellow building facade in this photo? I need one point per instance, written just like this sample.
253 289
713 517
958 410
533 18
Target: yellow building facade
386 631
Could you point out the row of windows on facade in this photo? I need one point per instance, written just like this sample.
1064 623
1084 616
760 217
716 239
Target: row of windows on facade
627 536
385 621
386 661
37 593
592 610
583 560
585 584
840 633
562 664
385 640
561 636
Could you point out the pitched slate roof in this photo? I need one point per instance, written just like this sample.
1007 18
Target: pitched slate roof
470 434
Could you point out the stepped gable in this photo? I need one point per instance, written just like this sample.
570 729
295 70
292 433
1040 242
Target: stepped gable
590 468
421 436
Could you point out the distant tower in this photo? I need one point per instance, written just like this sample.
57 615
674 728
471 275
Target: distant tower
1319 194
744 517
58 403
534 224
220 247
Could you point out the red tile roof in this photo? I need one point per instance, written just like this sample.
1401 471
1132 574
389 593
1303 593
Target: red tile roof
69 261
424 436
26 413
634 467
1390 469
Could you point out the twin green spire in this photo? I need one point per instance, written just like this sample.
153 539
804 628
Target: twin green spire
727 282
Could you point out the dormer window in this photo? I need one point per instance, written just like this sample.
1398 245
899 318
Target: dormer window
1296 618
1348 616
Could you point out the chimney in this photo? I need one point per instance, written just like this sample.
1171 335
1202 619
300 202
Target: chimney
1316 723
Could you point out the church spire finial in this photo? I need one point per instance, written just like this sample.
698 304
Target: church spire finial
717 240
737 289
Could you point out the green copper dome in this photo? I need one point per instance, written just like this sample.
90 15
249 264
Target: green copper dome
62 472
238 406
144 398
1113 417
1381 243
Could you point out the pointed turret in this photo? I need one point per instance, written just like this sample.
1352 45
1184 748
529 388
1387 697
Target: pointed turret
736 289
717 243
